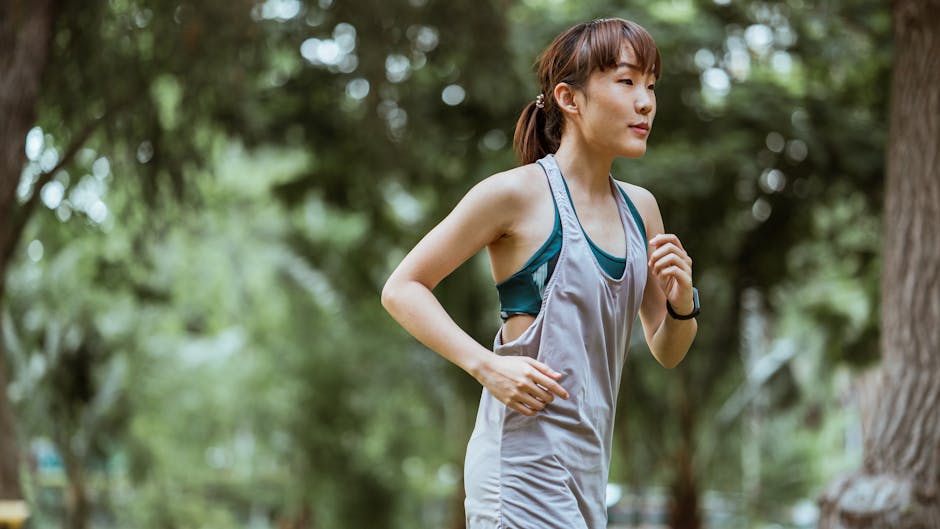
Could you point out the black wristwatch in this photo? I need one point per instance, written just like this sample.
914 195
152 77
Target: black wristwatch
695 310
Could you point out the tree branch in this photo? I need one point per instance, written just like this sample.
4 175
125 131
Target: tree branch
22 216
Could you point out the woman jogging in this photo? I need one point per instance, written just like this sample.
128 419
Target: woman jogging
576 255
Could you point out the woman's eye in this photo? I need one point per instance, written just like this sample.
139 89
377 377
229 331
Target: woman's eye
627 81
652 87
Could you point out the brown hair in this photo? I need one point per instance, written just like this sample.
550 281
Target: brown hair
571 58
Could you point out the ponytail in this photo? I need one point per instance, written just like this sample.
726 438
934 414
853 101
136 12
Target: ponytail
536 133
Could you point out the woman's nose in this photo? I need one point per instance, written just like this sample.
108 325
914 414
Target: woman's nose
644 103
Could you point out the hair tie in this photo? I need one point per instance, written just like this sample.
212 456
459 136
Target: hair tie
540 101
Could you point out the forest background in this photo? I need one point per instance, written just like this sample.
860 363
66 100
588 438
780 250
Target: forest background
201 202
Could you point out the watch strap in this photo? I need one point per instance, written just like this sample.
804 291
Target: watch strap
695 310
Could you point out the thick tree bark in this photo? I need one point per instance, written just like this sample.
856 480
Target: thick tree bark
899 483
25 37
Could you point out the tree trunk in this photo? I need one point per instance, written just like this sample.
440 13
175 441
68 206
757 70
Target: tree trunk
898 485
459 518
25 37
76 495
683 510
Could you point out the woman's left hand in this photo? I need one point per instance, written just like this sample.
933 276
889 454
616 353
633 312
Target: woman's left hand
672 268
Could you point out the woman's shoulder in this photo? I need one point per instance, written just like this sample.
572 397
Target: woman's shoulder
644 201
497 203
512 186
637 193
517 178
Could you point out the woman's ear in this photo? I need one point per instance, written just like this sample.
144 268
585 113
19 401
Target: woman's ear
564 95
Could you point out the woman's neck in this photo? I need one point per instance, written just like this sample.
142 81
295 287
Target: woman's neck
584 170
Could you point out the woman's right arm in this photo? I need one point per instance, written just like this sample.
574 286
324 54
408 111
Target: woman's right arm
484 214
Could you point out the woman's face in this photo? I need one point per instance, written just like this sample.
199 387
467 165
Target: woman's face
617 114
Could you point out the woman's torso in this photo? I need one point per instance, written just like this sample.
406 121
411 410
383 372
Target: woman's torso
534 222
550 469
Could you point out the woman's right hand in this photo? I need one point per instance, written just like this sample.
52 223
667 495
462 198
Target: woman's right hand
521 383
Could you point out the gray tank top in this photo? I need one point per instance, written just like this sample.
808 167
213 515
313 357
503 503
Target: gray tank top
549 471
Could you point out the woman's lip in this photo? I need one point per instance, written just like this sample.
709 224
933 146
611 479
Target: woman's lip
639 130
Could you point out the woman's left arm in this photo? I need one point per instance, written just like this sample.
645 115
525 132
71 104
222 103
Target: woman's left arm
669 277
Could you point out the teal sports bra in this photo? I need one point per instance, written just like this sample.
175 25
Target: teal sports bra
521 293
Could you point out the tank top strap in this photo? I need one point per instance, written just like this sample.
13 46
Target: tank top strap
571 228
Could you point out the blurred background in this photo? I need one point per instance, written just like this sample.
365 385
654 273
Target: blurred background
204 200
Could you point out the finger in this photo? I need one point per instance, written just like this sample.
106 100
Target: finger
672 251
539 392
656 242
521 408
530 401
676 272
663 252
667 249
664 238
553 387
673 238
670 261
679 275
664 260
660 268
542 367
517 401
523 393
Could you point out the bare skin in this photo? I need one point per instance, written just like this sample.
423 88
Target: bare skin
512 213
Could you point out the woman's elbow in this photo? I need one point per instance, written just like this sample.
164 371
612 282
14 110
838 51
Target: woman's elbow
669 359
401 291
395 291
389 292
673 363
